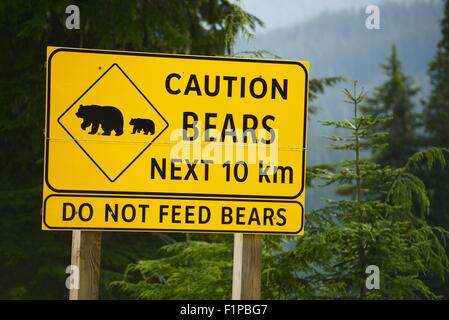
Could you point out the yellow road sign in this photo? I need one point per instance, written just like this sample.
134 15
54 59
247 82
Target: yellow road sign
138 141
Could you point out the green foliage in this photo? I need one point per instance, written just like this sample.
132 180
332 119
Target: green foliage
190 270
25 268
378 225
239 22
431 157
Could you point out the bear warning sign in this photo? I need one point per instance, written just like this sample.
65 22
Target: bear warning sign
138 141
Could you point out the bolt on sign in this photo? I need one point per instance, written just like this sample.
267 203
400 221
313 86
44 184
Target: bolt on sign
158 142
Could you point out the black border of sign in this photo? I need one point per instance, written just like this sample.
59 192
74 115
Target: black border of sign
112 52
170 230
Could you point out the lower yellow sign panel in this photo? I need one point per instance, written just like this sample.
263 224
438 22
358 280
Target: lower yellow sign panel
68 212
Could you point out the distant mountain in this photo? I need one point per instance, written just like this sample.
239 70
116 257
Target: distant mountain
339 44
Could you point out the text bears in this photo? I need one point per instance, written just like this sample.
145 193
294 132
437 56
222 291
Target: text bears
219 127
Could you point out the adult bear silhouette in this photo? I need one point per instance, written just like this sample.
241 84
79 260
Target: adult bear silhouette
146 125
110 118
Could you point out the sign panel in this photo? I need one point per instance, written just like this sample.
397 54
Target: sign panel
138 141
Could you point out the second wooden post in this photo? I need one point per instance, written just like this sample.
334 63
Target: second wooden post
247 269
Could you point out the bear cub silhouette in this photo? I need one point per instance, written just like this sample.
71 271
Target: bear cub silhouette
142 124
110 119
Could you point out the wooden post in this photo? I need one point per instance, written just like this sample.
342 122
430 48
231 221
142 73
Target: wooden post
86 254
247 269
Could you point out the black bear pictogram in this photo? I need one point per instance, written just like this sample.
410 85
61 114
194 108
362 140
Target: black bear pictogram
110 118
146 125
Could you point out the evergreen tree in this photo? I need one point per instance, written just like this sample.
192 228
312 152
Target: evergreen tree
346 236
436 122
393 99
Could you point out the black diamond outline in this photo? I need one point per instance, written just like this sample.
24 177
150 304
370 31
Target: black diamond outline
79 145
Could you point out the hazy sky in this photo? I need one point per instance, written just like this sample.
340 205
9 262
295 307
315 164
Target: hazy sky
281 13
